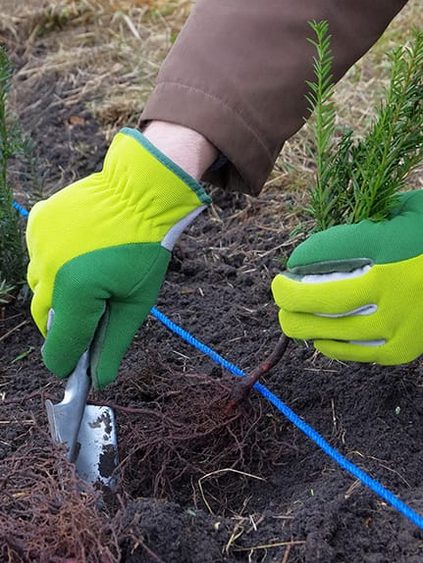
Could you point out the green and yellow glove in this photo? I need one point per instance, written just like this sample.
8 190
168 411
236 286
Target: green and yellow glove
106 240
357 290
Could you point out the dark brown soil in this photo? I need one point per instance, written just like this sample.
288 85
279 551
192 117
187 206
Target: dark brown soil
303 508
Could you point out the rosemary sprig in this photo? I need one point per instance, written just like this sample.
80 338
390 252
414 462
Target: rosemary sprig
394 144
360 179
320 98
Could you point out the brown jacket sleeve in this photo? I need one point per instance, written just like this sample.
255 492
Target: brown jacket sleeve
237 74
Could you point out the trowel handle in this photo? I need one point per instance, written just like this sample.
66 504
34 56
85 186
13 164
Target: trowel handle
65 417
78 384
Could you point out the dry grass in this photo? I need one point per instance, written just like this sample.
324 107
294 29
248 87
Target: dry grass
111 50
357 94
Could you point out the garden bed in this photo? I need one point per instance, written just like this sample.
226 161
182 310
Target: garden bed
245 486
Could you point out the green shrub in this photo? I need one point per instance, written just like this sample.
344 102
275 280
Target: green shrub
360 178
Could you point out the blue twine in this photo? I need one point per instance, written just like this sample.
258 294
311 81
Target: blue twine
22 210
309 431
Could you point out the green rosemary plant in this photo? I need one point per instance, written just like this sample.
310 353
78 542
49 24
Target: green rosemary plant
359 179
12 254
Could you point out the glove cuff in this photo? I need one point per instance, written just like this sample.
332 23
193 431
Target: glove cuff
165 161
163 197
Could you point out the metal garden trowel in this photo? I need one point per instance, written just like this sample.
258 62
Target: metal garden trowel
88 431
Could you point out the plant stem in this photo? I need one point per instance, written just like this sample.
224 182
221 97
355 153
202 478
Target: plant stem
242 388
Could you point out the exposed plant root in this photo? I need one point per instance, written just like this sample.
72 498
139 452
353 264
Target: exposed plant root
44 514
242 387
184 432
176 442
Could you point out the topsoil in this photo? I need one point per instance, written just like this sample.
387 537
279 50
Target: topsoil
198 484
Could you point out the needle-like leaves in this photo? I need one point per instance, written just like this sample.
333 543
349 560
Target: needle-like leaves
359 179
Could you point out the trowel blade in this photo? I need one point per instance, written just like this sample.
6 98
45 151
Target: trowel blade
97 452
64 426
65 417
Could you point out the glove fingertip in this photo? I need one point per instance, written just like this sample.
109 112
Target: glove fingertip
277 287
113 339
287 326
105 355
103 373
57 363
63 347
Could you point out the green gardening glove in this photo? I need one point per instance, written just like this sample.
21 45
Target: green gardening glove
357 290
106 240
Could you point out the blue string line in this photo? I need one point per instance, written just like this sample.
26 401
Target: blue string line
355 471
347 465
22 210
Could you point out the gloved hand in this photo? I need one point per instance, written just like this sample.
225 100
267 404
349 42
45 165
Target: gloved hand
106 239
357 290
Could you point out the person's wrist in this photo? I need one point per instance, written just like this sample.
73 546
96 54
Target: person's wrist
185 147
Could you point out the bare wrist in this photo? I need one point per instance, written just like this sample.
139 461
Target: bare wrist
186 147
